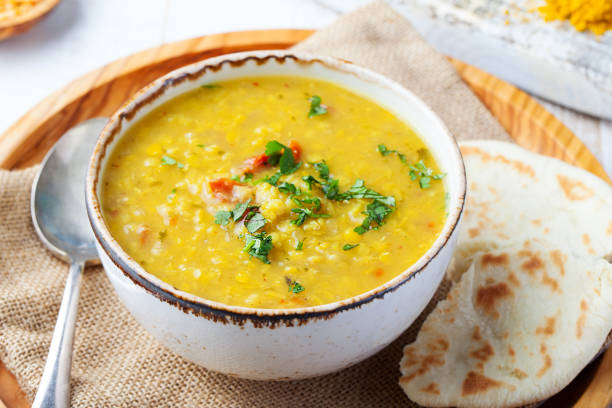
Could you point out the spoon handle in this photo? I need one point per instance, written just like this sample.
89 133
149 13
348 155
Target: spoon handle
54 388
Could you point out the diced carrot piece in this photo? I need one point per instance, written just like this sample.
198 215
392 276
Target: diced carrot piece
379 272
144 236
255 162
173 220
296 148
431 224
222 188
297 300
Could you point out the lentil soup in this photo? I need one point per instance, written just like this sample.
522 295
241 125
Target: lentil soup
273 192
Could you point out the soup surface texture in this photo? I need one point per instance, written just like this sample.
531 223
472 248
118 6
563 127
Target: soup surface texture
273 192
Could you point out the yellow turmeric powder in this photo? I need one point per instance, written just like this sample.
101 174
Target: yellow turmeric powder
594 15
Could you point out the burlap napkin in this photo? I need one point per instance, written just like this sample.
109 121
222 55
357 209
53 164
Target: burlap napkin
116 363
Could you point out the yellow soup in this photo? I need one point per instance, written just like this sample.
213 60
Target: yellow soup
273 192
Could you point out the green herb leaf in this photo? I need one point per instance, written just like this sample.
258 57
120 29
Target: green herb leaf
257 221
288 188
162 235
200 145
172 194
273 151
315 201
245 178
287 163
330 189
211 86
383 150
424 182
359 190
167 161
280 154
361 229
322 168
299 246
310 181
424 174
348 247
239 210
273 179
303 213
295 286
438 176
259 246
316 108
223 217
375 212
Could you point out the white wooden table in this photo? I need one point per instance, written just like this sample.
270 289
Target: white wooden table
81 35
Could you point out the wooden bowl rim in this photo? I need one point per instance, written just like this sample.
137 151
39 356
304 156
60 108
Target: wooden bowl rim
39 10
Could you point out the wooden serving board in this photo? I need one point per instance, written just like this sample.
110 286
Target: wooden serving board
101 92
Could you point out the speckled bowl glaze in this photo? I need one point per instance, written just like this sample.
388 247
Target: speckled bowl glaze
279 344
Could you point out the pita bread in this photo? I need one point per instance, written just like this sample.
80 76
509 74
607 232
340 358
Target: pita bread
517 328
514 195
533 301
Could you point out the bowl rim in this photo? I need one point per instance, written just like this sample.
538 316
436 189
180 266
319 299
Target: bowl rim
201 306
35 12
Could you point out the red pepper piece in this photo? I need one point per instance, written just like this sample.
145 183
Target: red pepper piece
222 188
296 149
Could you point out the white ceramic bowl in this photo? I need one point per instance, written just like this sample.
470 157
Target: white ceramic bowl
275 344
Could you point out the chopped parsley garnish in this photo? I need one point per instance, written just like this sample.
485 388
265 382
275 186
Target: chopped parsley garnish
246 177
316 108
211 86
330 188
299 246
424 174
258 246
385 152
418 170
315 201
200 145
223 217
256 222
375 213
348 247
322 168
309 180
303 213
288 188
169 161
294 286
240 209
359 190
282 155
172 194
273 179
162 235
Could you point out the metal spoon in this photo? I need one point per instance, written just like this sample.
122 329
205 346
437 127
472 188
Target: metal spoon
60 219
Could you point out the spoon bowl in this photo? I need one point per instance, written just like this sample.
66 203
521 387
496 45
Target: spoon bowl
60 219
57 202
